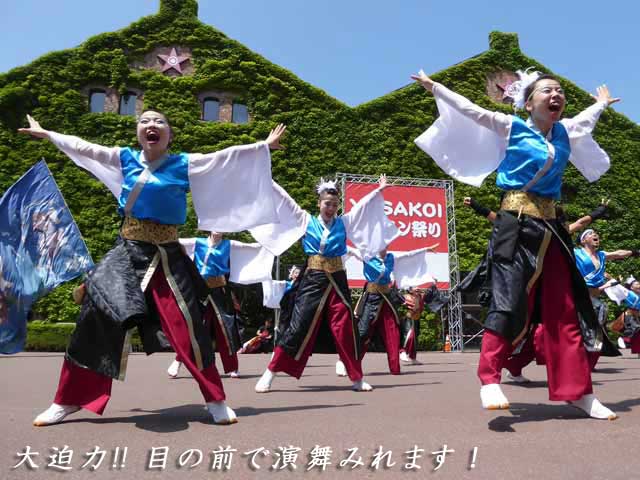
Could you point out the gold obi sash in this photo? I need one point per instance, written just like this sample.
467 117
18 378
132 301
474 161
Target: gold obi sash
529 204
214 282
377 288
148 231
327 264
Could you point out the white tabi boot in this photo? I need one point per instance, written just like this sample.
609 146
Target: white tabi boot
174 369
264 384
235 374
222 415
492 397
510 377
361 386
54 414
590 405
341 370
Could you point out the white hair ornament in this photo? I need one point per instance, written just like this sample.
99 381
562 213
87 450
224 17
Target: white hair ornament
516 89
325 185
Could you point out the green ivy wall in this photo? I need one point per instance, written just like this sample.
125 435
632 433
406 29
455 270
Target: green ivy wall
324 135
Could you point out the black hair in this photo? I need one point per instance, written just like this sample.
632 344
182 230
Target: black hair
166 117
529 90
330 191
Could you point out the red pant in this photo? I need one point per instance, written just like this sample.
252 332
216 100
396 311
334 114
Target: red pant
635 343
568 368
338 318
386 326
91 390
410 341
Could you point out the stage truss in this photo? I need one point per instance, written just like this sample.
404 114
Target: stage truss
452 313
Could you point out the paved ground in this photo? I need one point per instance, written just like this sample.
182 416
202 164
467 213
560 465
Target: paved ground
428 406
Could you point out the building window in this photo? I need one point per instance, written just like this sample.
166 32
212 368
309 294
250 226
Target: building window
240 113
96 101
210 109
128 103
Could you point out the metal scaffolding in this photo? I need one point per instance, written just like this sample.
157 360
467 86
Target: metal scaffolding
451 315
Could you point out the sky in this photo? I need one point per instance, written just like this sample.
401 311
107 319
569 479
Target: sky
359 50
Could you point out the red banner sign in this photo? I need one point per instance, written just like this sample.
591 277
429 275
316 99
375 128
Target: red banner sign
420 213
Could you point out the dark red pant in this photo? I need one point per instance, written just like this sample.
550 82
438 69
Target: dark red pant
386 326
338 318
568 368
91 390
635 343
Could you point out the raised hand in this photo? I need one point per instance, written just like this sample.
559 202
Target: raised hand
273 140
382 182
35 130
423 80
603 95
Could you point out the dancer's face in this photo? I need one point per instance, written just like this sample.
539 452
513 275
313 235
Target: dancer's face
294 274
328 205
592 240
635 287
215 237
547 101
154 132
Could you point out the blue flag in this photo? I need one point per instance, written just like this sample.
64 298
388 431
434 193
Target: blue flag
40 248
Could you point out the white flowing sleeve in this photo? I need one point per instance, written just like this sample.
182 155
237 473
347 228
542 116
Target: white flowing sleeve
103 162
291 225
411 268
189 245
249 263
368 227
272 293
231 189
466 141
617 293
587 156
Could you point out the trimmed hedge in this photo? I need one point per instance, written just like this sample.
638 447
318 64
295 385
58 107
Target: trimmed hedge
54 336
324 135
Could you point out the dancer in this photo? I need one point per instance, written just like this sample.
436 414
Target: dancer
530 260
531 347
591 263
415 300
146 280
216 259
262 342
376 309
631 333
321 293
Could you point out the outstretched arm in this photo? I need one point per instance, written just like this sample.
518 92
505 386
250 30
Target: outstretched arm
480 209
586 120
495 121
584 222
73 146
621 254
103 162
200 163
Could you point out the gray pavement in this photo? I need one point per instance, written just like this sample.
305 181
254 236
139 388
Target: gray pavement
429 405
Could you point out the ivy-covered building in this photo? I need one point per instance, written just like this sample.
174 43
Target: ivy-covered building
218 93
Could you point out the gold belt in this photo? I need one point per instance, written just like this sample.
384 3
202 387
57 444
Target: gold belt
377 288
214 282
328 264
529 204
148 231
